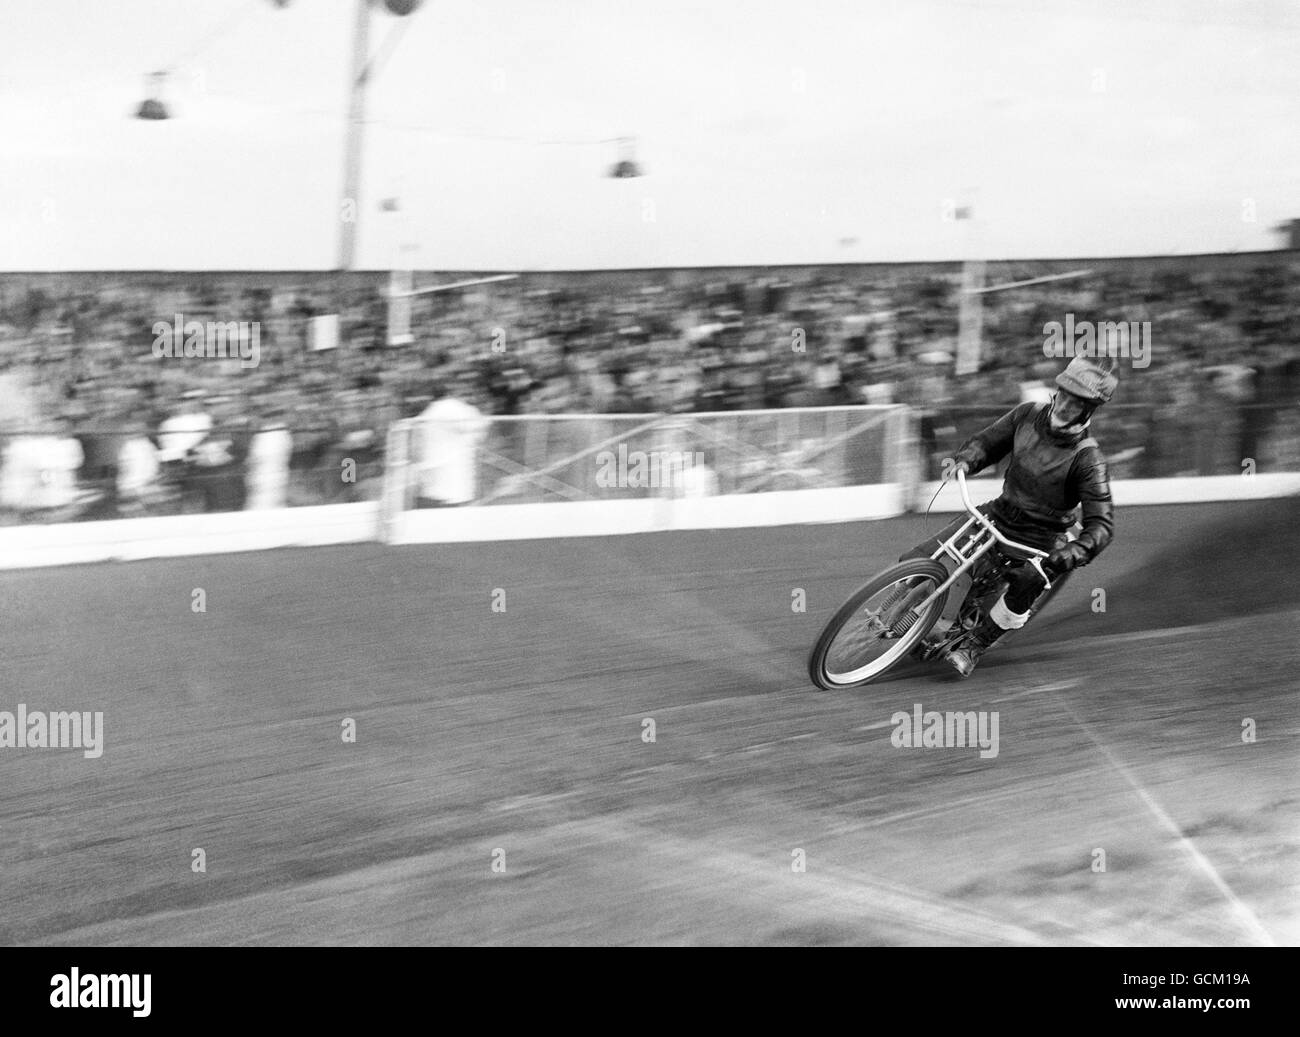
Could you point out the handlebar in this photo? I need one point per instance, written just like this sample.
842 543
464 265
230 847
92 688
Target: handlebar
1035 556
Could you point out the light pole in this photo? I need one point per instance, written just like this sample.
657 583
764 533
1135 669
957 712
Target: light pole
350 205
153 108
363 70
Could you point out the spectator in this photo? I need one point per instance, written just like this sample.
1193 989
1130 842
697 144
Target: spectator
39 472
138 469
185 430
450 432
267 478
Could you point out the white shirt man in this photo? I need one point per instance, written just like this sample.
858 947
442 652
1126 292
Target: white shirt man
40 472
267 480
179 434
137 468
448 436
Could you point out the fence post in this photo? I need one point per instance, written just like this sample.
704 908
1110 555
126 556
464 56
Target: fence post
392 501
908 458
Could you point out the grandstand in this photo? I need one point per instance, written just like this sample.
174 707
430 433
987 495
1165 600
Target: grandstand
1224 382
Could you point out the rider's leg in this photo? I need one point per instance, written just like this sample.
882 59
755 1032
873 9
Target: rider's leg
1022 591
1000 618
1009 612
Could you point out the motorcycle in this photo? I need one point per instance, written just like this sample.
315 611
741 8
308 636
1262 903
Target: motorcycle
921 607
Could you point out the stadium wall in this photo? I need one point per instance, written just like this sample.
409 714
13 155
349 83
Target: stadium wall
25 547
1137 492
70 543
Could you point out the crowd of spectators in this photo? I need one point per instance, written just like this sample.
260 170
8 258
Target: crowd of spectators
1223 376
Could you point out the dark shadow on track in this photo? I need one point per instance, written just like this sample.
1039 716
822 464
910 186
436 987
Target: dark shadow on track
1236 565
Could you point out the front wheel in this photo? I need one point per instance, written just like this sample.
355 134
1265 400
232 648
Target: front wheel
879 625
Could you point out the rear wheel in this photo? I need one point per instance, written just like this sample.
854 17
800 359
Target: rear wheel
879 625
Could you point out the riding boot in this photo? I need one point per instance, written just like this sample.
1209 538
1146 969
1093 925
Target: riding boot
966 655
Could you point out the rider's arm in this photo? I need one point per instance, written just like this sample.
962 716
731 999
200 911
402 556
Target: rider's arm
1093 484
991 445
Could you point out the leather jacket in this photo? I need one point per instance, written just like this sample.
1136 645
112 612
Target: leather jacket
1051 473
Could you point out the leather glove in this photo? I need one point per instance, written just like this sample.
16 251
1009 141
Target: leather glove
1067 557
961 464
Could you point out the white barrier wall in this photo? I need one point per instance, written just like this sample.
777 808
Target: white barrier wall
26 547
612 518
23 547
1131 492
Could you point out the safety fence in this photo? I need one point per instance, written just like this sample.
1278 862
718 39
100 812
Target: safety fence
539 459
49 477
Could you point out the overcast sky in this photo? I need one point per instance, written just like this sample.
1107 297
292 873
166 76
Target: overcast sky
804 131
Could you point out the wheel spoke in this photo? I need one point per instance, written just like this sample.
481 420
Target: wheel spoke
867 642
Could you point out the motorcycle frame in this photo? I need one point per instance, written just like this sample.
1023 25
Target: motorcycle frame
981 543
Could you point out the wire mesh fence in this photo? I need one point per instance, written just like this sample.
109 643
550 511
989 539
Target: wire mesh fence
538 459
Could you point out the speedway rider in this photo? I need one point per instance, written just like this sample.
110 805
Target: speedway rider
1055 467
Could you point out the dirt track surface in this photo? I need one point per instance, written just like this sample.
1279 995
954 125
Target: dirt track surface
522 731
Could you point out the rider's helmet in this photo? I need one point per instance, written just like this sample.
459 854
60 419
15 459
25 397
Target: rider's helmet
1090 383
1093 381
